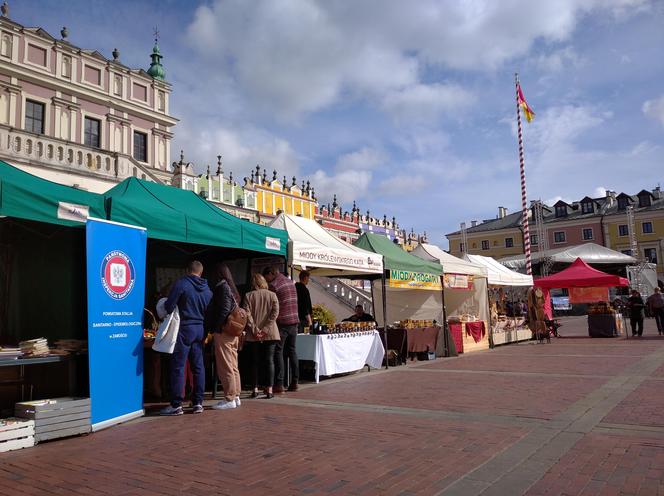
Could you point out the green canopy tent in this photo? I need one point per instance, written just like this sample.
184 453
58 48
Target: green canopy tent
414 284
174 214
42 253
181 225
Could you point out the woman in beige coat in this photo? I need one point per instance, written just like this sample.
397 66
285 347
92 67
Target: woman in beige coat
262 333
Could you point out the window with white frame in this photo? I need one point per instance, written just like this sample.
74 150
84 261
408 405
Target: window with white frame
587 233
91 133
34 117
509 242
559 237
623 230
140 146
647 227
587 207
650 254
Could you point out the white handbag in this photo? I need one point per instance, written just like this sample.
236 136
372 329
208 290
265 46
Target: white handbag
167 334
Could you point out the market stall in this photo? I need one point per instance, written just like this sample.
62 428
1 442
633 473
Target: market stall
588 285
465 297
348 347
44 227
410 294
507 297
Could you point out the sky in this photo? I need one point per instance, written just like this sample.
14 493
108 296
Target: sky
407 108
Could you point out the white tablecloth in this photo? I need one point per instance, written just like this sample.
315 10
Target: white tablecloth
339 353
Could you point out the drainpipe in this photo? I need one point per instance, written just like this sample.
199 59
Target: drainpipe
601 226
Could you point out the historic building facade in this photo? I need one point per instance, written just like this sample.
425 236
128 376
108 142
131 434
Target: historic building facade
603 221
76 117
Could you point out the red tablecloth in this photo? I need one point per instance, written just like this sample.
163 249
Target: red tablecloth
476 330
457 335
421 339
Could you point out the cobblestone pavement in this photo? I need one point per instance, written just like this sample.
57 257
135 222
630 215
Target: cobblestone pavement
575 417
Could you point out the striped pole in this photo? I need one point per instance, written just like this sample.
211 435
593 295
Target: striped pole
524 196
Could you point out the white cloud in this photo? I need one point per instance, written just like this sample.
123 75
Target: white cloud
292 58
655 109
241 150
599 192
558 60
348 185
365 158
426 103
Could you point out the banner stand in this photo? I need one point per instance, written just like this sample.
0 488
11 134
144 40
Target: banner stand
115 260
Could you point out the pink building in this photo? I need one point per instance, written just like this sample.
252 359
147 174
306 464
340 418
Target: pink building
76 117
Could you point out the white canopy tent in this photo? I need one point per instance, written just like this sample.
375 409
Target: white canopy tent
313 248
591 253
450 263
498 274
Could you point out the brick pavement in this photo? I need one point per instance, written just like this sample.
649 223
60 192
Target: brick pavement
488 423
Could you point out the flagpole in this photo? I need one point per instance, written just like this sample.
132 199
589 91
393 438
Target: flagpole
522 169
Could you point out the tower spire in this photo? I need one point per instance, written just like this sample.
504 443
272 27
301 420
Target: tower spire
156 70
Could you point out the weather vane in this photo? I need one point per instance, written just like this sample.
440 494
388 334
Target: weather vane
156 34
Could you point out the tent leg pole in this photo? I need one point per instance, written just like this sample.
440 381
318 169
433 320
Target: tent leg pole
444 323
488 297
382 284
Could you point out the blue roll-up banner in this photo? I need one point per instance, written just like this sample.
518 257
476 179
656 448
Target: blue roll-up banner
116 297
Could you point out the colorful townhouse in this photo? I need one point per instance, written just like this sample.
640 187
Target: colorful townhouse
603 221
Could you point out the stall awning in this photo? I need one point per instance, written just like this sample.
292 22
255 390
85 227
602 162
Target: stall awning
174 214
499 275
394 257
450 263
319 251
29 197
581 275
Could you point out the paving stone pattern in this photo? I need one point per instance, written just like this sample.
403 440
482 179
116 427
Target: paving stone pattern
577 417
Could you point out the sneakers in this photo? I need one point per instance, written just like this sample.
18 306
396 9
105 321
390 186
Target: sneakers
197 409
225 405
171 411
238 403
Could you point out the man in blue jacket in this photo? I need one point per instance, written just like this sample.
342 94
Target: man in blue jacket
191 295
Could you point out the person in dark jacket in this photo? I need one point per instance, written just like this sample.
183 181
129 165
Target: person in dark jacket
224 300
304 308
191 296
636 313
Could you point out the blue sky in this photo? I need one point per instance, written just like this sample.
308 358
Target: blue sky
405 107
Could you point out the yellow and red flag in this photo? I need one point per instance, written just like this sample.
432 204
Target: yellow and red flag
527 111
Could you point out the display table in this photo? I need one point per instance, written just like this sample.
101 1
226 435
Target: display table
456 331
510 330
396 340
604 325
341 353
422 339
21 363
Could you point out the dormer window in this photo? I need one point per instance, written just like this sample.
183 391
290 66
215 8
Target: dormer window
644 200
622 203
587 207
561 211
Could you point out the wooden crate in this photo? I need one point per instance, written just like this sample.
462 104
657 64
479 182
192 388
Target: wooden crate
58 417
16 433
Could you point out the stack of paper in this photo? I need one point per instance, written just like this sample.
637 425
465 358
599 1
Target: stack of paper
7 353
35 347
66 346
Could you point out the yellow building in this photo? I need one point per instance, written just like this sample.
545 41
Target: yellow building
497 238
275 196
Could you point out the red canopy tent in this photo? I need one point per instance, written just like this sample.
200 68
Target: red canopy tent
577 275
581 275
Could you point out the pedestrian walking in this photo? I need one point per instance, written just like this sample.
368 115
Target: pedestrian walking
191 295
263 333
655 304
225 298
636 308
304 307
287 321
